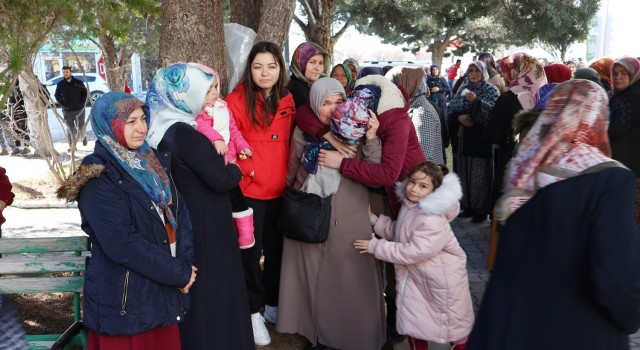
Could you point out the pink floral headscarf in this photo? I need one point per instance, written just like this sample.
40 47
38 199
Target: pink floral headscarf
525 75
569 137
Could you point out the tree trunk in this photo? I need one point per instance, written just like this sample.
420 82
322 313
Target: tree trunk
40 135
319 28
274 25
438 48
116 64
563 52
249 12
192 31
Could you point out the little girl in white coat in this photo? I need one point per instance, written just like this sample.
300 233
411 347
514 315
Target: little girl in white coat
434 302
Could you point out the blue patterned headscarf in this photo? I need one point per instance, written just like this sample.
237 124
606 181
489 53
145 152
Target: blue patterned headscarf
108 118
177 94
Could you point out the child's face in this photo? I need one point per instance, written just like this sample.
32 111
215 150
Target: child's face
419 185
212 95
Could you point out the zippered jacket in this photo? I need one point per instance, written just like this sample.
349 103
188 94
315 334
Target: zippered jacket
132 280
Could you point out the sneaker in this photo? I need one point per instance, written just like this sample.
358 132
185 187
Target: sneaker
15 151
271 313
25 151
4 152
84 141
260 333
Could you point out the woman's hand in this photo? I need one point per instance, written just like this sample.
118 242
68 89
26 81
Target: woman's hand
471 96
435 89
465 120
330 159
372 126
345 150
186 288
220 147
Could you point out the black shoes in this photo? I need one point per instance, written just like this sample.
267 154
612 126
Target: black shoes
84 141
466 213
478 218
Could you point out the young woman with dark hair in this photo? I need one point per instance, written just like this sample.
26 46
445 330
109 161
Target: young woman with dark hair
263 110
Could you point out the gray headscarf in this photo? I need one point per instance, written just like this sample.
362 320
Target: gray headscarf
588 74
321 89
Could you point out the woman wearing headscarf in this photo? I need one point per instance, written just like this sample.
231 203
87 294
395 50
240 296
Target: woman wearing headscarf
468 115
424 117
566 274
524 75
494 76
624 124
309 63
329 294
366 71
220 317
603 67
354 67
137 285
588 74
438 87
341 73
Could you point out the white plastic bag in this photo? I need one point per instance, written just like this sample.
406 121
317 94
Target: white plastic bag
239 41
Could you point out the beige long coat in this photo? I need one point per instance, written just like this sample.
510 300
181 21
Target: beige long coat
330 293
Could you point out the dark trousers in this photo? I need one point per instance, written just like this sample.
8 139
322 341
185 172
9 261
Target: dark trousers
74 120
238 202
380 205
263 287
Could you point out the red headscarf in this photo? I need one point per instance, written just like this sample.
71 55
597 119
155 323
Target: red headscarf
569 137
557 73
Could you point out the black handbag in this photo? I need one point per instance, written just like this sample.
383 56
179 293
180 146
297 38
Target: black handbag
305 216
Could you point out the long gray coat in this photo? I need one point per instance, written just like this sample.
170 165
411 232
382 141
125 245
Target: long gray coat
329 292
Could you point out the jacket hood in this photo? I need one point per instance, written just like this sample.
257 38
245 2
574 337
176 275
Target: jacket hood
72 186
445 200
390 96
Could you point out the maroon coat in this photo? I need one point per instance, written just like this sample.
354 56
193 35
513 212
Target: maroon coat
400 147
5 191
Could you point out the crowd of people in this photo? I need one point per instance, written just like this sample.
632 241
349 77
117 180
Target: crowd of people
183 194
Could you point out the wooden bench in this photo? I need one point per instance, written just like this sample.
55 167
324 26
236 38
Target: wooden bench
23 273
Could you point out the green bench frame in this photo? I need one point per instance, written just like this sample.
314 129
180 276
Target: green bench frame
20 274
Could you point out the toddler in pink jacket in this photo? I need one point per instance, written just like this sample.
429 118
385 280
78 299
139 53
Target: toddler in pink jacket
433 298
216 123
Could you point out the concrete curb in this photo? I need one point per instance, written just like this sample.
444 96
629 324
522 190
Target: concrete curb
44 205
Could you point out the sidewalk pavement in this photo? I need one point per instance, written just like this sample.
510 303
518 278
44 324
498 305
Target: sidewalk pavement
52 218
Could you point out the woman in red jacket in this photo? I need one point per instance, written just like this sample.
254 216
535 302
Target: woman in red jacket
263 110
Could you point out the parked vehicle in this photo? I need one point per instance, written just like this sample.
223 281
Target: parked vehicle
383 64
97 85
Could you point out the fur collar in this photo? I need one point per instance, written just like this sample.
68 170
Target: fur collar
72 186
390 96
440 201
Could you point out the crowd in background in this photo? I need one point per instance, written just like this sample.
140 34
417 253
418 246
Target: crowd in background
183 194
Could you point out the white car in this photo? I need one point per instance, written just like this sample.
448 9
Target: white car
97 85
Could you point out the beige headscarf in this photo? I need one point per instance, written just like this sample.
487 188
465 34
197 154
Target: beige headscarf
410 78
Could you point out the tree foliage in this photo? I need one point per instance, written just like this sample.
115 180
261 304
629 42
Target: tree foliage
433 24
555 25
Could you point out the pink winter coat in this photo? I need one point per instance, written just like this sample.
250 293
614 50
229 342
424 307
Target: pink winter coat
433 298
